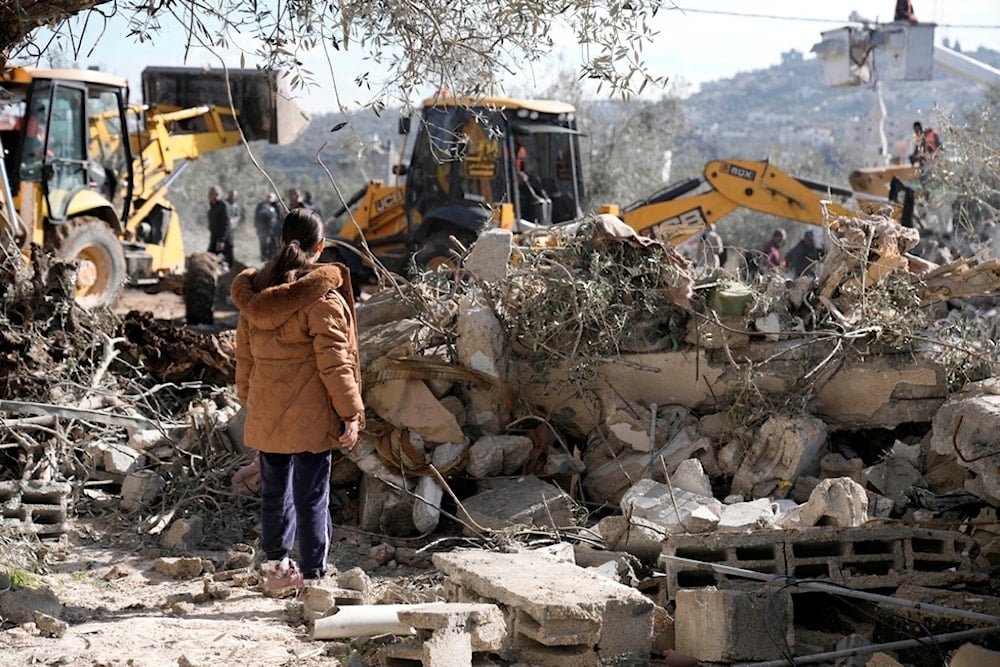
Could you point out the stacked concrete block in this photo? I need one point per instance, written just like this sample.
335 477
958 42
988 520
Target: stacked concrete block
881 556
727 625
549 623
448 635
35 507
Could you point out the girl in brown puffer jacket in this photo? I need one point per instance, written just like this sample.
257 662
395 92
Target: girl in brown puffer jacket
298 375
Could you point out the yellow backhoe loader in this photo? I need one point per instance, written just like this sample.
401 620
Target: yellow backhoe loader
89 175
515 164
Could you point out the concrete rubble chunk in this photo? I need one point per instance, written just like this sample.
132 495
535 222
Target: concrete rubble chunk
729 625
671 511
611 480
632 535
480 346
690 476
898 470
448 455
121 459
179 568
967 428
745 517
971 655
526 501
493 455
19 605
184 534
838 502
595 620
489 259
413 404
384 509
140 488
785 447
484 623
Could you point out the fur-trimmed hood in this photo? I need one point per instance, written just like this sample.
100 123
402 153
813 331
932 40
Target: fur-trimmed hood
270 307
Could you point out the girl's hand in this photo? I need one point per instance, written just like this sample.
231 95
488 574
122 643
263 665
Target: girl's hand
349 437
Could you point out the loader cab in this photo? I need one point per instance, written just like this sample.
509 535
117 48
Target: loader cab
65 136
470 158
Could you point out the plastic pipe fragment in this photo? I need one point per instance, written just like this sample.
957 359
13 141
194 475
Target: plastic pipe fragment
363 621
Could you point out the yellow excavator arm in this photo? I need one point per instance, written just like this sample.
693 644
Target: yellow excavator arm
673 215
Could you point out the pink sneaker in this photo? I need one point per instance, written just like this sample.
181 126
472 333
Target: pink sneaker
282 578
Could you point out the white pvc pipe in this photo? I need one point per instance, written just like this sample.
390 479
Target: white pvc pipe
363 621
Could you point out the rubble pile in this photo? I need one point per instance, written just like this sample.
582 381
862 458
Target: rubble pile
685 438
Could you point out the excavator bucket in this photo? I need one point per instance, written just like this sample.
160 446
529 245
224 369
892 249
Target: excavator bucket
261 100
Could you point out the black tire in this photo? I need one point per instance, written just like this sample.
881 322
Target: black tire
200 275
439 252
97 250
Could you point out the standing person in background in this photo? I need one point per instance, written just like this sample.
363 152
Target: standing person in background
804 255
307 198
926 143
220 231
298 375
295 199
235 209
772 252
265 222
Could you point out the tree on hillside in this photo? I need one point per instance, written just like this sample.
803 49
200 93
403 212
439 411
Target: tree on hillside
466 48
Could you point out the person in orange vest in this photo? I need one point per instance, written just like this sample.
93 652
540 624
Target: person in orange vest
904 11
926 143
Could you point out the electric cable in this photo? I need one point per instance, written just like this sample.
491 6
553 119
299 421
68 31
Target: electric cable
812 19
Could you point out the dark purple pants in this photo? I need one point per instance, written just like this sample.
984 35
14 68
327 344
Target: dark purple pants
295 498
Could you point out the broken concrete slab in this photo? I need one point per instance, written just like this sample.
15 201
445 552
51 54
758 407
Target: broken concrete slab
610 481
744 517
595 617
873 392
671 510
522 501
967 428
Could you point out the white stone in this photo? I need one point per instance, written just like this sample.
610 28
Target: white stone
690 476
842 501
746 517
121 459
670 511
427 504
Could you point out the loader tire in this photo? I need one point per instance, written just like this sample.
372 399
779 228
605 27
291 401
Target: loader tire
200 275
439 252
98 253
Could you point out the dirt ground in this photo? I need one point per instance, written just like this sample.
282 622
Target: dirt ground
169 306
122 612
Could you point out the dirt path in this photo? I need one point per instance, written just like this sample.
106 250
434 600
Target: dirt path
122 612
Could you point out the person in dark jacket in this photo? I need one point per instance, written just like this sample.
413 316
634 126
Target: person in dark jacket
804 256
298 374
220 232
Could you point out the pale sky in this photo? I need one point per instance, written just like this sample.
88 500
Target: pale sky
704 40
